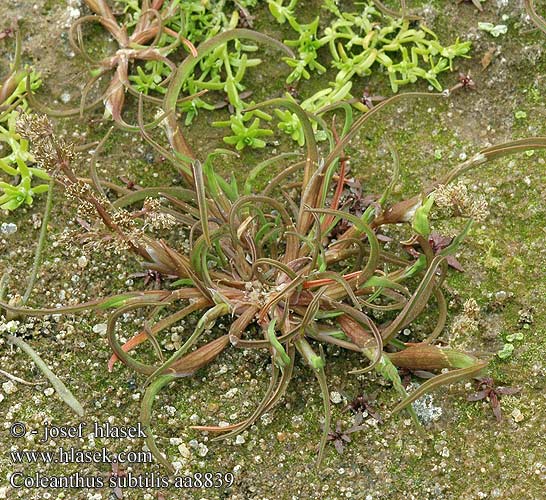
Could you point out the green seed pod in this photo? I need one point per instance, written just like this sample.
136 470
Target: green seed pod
428 357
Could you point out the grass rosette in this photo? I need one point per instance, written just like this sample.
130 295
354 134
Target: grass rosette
276 267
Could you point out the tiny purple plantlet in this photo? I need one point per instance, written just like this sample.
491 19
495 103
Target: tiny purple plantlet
489 392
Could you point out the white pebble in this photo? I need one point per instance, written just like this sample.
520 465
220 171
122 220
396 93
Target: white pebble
185 452
100 328
335 397
9 387
8 228
517 415
229 394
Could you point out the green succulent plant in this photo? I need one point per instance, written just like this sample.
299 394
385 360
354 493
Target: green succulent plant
244 136
360 43
17 164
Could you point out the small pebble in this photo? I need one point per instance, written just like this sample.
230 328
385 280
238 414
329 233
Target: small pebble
9 387
501 295
49 391
8 228
517 415
335 397
281 436
185 452
100 328
229 394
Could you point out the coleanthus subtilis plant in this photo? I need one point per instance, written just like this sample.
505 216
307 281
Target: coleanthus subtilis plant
271 265
48 153
140 45
157 29
18 162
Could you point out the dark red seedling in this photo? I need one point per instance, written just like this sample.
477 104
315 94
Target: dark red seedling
7 33
293 91
368 99
363 403
406 374
437 243
117 472
225 102
465 82
341 438
150 276
129 183
246 20
487 391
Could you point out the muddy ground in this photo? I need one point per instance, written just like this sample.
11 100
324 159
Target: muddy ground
466 454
